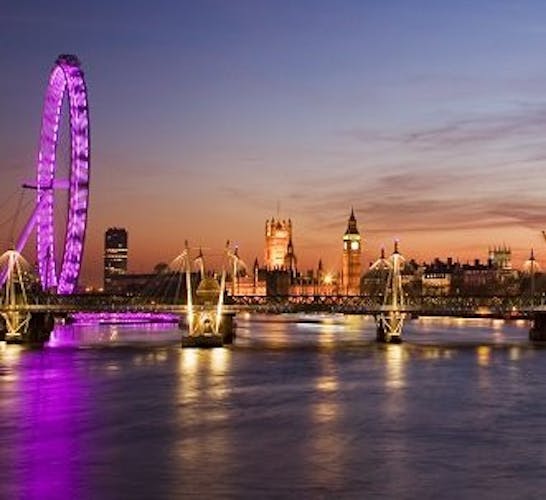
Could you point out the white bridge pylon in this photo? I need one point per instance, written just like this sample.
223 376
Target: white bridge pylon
14 304
237 264
197 314
391 320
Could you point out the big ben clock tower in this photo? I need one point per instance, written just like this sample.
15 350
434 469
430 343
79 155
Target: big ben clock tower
350 274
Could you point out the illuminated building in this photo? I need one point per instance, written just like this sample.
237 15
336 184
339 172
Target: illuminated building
115 255
501 257
252 284
290 260
350 274
437 277
279 250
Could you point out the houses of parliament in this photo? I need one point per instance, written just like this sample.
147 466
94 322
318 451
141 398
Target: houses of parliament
279 274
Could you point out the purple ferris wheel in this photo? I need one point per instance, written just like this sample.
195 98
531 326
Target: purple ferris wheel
66 78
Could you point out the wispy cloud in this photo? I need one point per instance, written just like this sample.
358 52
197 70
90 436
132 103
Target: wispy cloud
523 121
409 202
480 129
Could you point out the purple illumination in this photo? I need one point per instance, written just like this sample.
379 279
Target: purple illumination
120 318
66 76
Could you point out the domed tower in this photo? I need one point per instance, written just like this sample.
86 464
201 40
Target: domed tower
350 274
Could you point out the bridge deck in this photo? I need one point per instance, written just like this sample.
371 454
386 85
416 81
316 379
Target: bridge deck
354 304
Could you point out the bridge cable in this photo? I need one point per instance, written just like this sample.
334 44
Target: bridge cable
15 219
9 219
8 199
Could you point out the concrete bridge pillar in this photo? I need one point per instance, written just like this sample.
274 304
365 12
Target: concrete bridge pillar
389 327
227 327
226 331
37 327
538 330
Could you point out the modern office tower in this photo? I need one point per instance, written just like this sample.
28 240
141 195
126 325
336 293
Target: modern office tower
350 274
115 255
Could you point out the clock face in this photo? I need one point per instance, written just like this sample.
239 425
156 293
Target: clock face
354 245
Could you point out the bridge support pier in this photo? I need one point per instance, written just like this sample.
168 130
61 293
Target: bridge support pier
227 328
537 333
389 328
391 319
28 329
225 336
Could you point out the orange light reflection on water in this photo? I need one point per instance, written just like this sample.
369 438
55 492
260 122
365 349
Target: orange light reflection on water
9 356
394 357
203 383
484 355
326 437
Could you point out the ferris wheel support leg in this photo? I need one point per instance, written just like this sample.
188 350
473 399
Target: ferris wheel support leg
27 230
23 238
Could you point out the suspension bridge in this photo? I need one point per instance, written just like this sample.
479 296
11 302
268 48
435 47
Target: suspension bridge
28 311
29 303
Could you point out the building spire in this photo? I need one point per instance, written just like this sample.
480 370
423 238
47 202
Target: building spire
350 273
351 225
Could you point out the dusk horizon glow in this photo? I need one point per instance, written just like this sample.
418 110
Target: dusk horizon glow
427 119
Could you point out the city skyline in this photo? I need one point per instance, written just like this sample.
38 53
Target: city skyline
426 119
272 248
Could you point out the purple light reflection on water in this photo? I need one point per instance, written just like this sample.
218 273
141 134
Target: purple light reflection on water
46 408
71 418
109 411
124 318
80 335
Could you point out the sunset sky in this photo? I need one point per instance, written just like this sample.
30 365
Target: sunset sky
427 117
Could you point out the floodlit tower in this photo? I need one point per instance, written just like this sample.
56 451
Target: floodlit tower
290 259
278 234
501 257
320 272
350 274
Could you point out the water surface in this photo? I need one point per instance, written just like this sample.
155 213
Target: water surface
311 408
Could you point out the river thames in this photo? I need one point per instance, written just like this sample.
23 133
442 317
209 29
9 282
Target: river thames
306 407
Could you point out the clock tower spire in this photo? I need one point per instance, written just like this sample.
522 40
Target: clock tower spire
350 274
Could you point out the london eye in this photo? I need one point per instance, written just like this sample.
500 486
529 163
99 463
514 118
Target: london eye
66 79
